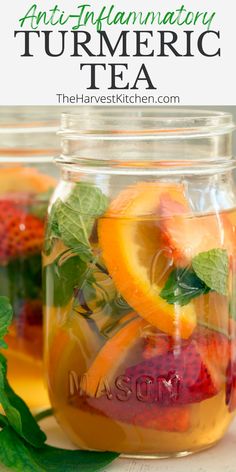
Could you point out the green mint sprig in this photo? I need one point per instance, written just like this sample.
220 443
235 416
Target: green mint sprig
182 286
212 267
22 441
63 276
209 271
72 219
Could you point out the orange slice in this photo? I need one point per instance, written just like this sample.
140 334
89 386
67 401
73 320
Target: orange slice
130 239
110 356
24 179
187 235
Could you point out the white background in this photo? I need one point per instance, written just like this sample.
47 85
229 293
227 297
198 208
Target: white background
197 80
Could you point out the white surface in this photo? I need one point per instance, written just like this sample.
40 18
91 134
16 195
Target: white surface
221 458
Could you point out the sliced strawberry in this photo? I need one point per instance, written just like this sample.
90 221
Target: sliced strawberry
181 376
173 419
138 413
214 349
186 234
156 344
231 386
21 234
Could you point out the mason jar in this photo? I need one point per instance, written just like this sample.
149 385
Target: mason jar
139 281
28 142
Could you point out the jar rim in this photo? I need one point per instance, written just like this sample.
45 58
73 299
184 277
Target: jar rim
30 159
28 134
142 122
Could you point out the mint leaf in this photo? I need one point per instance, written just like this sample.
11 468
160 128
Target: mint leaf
209 272
83 251
74 230
19 456
212 267
5 319
183 285
12 414
15 454
63 276
76 215
52 230
3 421
72 220
17 412
87 200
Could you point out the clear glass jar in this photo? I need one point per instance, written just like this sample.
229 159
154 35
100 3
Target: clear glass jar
28 142
139 277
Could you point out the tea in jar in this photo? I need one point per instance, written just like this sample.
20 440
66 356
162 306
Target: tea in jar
139 281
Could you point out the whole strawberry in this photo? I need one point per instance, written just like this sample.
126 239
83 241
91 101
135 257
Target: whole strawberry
21 233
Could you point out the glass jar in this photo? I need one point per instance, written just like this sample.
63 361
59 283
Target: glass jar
28 142
139 278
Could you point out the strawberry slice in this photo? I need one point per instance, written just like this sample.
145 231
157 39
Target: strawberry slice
151 416
156 344
231 386
21 234
172 419
187 234
156 392
181 376
214 349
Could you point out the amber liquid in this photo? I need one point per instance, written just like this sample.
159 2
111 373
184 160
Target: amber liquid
209 421
26 378
183 406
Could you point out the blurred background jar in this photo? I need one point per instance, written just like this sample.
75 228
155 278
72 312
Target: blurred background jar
28 142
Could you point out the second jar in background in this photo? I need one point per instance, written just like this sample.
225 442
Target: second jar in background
28 176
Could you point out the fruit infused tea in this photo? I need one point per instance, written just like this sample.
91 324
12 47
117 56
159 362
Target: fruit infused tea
140 318
24 194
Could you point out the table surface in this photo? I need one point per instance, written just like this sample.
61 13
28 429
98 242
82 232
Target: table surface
220 458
